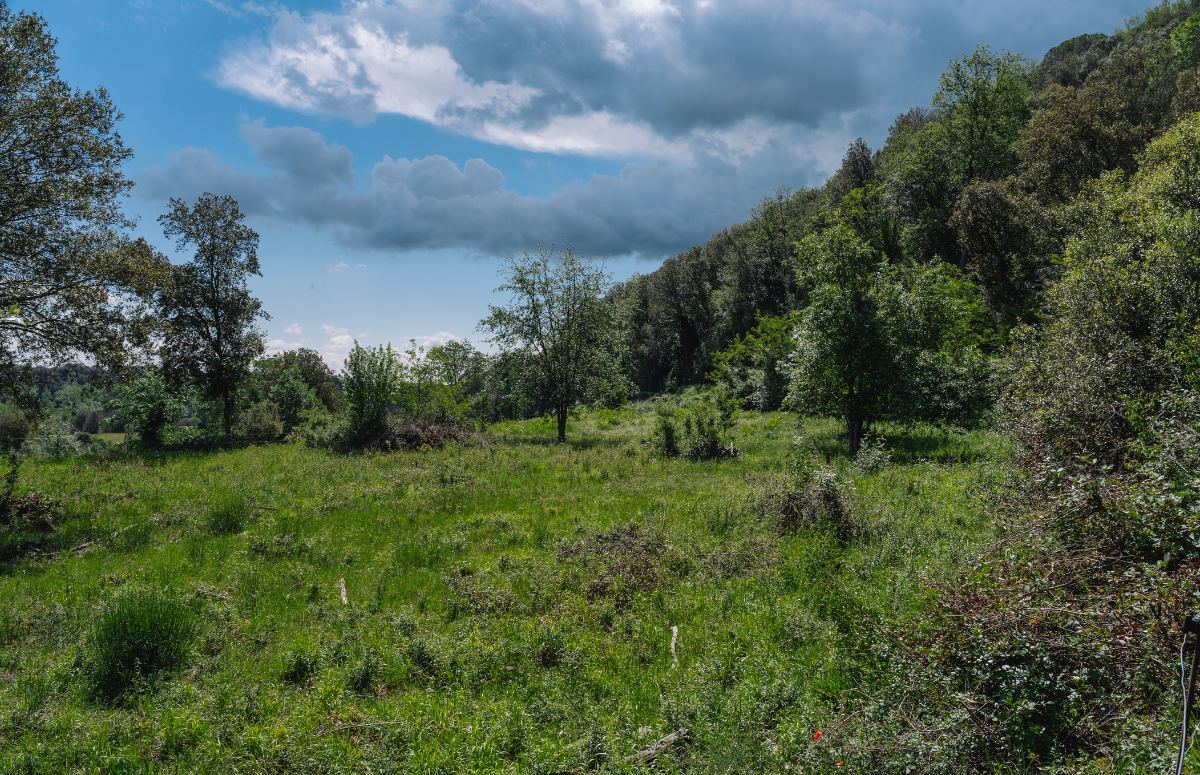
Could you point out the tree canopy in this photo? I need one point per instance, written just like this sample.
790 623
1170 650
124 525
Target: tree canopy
76 285
557 318
211 340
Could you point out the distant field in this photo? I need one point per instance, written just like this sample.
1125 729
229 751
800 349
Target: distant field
509 604
113 437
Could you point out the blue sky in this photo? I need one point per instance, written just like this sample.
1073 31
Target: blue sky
390 152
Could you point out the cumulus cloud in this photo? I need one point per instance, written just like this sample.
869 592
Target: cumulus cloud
279 345
436 340
337 346
294 328
628 77
608 77
650 208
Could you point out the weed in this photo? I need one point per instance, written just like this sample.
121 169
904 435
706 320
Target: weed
300 665
364 674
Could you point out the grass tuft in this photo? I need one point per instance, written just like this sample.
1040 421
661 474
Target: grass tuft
228 514
138 635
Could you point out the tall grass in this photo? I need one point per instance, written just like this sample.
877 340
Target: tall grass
509 605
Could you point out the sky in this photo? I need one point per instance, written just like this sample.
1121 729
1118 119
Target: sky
390 153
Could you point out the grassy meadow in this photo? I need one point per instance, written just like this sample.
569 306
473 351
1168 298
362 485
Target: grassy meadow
510 605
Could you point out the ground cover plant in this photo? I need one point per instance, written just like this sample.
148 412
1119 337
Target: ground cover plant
503 604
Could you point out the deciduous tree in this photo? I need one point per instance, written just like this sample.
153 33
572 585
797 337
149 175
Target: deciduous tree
211 339
80 283
557 316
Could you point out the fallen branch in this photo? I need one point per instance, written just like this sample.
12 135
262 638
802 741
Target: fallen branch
674 637
342 589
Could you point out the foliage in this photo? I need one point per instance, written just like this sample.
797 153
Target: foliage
752 368
137 636
371 377
211 340
307 365
884 343
150 409
697 431
74 283
54 441
260 422
556 317
431 384
294 399
14 429
1130 287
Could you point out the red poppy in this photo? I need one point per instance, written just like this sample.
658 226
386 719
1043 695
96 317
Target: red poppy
839 764
817 736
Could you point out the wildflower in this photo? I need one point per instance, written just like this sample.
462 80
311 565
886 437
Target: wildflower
817 736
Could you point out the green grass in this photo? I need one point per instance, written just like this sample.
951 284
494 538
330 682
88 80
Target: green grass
509 603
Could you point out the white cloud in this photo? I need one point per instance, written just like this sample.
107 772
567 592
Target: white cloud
339 266
338 345
278 345
294 328
597 77
436 340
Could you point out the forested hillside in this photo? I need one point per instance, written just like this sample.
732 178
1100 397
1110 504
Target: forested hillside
983 179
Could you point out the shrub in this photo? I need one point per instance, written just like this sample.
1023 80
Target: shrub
807 495
260 422
294 398
137 636
370 380
696 432
149 408
54 441
871 456
227 514
14 429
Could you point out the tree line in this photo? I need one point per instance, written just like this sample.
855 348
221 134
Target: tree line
887 294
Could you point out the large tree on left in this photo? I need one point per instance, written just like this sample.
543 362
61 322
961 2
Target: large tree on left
211 340
73 284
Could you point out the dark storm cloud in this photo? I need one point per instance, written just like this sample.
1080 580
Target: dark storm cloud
650 209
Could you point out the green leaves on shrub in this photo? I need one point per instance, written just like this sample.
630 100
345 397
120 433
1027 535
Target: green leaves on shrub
136 637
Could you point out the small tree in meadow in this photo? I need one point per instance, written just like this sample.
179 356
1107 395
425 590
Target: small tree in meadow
879 342
558 318
370 380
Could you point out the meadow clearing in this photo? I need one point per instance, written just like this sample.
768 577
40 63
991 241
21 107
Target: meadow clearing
504 605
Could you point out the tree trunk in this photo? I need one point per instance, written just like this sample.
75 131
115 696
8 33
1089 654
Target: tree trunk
561 412
228 421
855 426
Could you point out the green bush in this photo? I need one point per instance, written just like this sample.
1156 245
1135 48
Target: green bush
260 422
698 431
370 381
149 408
228 514
138 636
